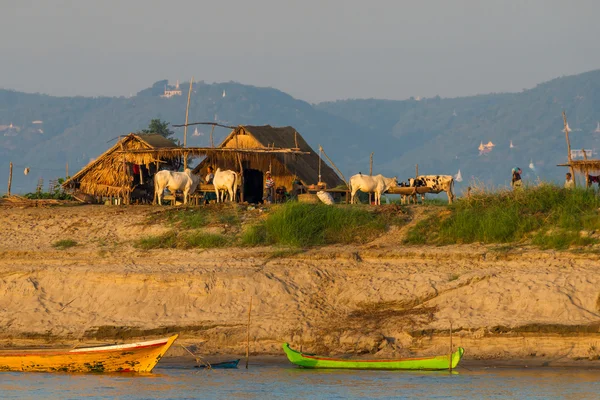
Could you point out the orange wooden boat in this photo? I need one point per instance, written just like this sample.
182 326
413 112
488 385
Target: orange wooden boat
133 357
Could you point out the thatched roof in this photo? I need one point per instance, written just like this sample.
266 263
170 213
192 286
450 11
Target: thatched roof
583 166
105 175
305 165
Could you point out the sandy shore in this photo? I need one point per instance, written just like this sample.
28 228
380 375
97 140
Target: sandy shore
382 297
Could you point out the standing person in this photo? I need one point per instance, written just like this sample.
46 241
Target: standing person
569 181
516 181
269 185
210 175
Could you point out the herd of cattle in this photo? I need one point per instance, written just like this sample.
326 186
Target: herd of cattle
228 181
379 184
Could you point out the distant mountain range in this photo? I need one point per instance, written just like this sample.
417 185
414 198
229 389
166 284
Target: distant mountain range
442 135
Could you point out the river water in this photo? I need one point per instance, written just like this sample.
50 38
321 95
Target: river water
282 380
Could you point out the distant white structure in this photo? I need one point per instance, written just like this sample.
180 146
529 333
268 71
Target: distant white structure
37 122
531 166
458 177
224 94
598 128
454 114
567 128
582 153
512 146
485 148
170 93
197 133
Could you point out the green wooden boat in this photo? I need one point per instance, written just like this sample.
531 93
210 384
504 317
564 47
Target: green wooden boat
421 363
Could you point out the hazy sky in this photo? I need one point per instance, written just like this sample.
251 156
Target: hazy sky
314 50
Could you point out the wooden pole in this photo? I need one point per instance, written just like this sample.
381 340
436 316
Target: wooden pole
9 177
587 171
67 170
187 111
241 180
334 166
416 171
212 144
450 346
371 174
569 149
248 334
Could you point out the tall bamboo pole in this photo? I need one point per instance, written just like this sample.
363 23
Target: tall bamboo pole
248 334
9 177
334 166
187 111
569 149
67 170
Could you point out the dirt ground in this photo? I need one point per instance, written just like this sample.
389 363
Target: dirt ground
382 297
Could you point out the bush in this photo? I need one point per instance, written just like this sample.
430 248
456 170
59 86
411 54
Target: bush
300 225
504 216
171 240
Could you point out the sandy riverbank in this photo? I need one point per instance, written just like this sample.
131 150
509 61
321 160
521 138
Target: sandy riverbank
382 297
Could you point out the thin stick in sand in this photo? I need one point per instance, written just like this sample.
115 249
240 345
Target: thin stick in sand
248 334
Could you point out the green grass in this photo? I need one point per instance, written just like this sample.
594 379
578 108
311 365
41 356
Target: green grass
183 240
302 225
165 241
551 216
64 244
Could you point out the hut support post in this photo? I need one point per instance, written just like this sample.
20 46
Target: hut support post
587 171
9 177
67 170
569 149
241 182
187 111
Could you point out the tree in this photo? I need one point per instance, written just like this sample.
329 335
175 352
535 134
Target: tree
160 127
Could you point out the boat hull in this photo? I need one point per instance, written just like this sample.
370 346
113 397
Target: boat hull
135 357
424 363
221 365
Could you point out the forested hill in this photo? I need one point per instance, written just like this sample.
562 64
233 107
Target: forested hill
441 135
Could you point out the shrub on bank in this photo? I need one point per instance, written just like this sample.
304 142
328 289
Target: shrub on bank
300 225
184 240
556 216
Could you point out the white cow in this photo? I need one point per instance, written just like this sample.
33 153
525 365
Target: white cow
377 184
225 181
436 183
185 181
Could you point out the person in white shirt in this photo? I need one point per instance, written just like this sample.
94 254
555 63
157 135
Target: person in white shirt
569 181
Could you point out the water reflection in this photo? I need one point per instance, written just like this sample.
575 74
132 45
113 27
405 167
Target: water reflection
279 380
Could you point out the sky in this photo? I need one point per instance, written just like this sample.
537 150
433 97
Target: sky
314 50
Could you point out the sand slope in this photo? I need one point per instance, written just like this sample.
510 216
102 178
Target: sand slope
382 297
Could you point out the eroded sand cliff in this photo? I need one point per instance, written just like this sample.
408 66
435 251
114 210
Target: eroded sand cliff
382 297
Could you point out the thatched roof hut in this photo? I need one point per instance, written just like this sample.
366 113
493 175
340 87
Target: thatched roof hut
111 175
303 165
